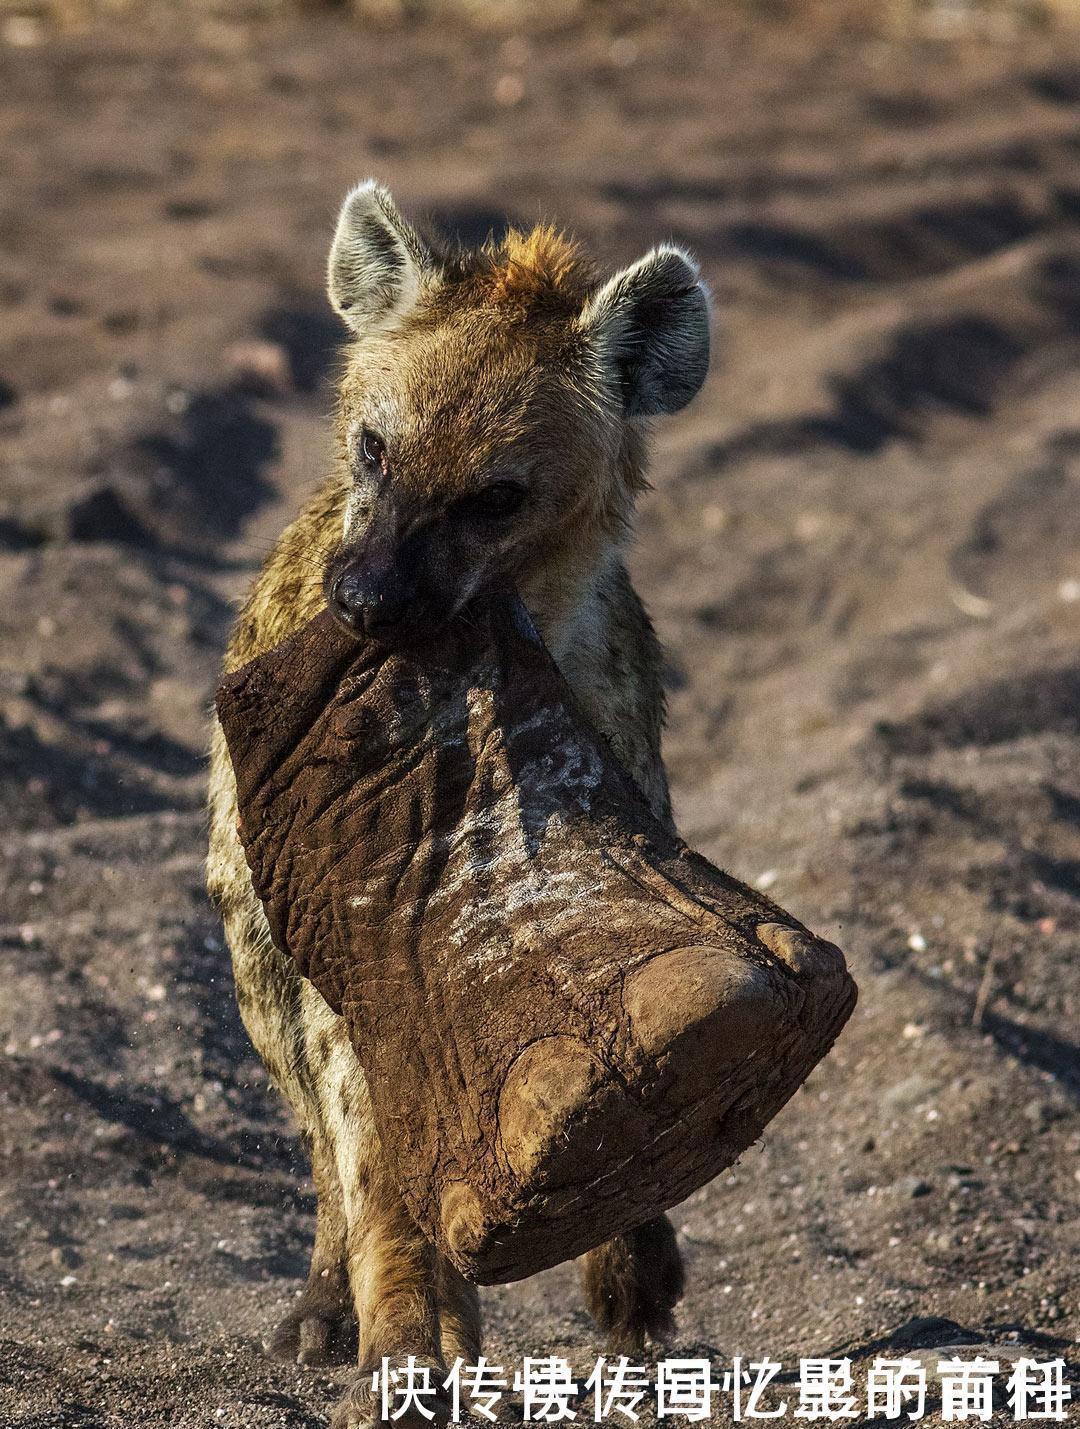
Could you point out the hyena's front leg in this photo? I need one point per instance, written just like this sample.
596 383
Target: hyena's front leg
291 1028
632 1284
393 1271
320 1328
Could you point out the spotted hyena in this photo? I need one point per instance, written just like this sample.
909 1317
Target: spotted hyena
492 421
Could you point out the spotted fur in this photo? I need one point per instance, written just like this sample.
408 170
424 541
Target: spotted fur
508 365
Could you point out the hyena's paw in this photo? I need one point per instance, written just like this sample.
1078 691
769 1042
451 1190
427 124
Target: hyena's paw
633 1284
361 1406
320 1328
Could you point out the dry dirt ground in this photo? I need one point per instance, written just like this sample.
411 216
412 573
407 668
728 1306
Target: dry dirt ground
863 552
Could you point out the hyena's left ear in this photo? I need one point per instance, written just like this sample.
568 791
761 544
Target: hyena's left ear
378 263
651 322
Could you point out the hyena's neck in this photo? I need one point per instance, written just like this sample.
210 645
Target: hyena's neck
570 604
573 583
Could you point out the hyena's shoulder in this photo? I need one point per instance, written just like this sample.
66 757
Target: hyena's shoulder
288 591
637 664
285 594
613 662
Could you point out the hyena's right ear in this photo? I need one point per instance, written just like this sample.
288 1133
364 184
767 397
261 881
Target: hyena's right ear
378 263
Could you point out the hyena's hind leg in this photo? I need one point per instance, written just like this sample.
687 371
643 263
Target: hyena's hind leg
632 1284
320 1329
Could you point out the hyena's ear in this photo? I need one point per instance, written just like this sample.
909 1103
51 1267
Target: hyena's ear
378 263
651 322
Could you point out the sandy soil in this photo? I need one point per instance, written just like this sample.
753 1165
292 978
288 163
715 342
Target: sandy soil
862 552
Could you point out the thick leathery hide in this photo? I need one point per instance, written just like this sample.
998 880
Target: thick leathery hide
567 1019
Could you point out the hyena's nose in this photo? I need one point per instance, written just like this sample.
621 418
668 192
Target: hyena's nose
369 605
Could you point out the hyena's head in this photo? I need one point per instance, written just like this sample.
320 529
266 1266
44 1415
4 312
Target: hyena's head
492 412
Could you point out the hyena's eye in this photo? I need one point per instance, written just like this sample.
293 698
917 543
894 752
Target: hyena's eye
496 502
372 448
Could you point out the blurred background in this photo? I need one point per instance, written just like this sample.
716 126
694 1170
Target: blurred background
862 552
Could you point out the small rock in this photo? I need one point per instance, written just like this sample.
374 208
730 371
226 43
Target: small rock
908 1092
1037 1113
23 32
509 89
915 1187
261 367
624 51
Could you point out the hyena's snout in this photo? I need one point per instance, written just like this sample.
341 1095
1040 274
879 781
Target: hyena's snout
370 602
388 588
372 583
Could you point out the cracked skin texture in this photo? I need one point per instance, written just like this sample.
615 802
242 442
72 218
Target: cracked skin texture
591 1019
